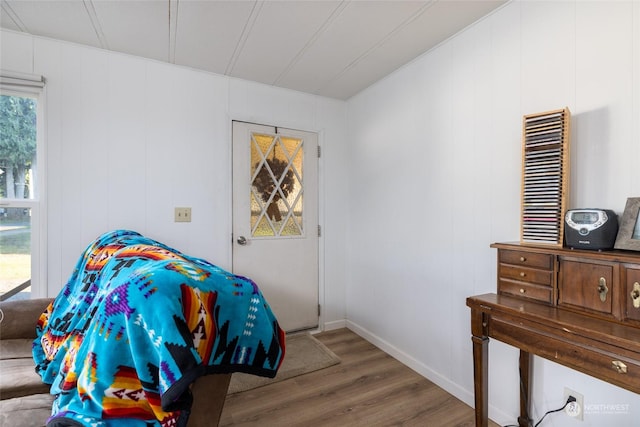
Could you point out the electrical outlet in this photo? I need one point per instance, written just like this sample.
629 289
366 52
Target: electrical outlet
574 409
182 215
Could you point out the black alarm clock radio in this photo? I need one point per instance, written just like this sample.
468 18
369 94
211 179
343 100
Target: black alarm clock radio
594 229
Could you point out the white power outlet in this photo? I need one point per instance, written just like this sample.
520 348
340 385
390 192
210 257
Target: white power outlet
574 409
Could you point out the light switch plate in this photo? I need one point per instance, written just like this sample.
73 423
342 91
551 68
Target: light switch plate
182 215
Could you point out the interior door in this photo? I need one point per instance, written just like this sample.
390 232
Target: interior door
275 218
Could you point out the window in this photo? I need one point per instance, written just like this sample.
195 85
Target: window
22 264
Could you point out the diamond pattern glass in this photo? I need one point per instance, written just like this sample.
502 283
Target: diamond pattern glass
276 185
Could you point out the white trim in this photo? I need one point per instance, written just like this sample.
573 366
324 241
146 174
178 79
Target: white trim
321 238
27 85
39 268
335 324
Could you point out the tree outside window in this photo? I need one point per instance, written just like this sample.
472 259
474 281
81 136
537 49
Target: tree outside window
17 145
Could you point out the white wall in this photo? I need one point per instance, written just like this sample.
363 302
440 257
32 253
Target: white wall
129 139
424 178
435 155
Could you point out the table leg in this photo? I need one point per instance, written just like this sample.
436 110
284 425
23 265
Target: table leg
526 369
480 367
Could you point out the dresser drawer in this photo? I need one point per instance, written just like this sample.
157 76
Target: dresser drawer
525 274
608 362
525 290
587 285
526 259
608 367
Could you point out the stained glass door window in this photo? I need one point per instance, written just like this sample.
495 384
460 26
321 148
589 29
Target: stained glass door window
277 185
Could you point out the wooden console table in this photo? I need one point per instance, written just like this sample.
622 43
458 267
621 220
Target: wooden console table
575 308
602 349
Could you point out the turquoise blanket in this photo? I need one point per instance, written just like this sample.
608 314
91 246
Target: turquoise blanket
137 323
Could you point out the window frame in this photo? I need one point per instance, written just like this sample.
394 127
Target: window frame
37 205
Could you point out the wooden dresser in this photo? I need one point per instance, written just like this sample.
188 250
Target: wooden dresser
577 308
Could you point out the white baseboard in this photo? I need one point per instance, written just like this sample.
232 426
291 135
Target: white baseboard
335 324
467 396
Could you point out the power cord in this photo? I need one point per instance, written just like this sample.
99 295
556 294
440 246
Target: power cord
569 400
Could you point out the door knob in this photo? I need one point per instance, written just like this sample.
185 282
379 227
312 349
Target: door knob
242 240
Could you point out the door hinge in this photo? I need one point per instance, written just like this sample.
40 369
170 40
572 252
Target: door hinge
318 310
319 152
319 231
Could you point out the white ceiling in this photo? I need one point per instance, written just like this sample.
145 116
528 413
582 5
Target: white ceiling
327 47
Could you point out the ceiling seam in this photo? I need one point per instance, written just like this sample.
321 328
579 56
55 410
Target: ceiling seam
13 16
248 26
376 46
334 15
95 22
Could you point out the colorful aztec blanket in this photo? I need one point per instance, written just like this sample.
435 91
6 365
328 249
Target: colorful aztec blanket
137 323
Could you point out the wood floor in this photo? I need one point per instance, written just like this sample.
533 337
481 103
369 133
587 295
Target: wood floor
368 388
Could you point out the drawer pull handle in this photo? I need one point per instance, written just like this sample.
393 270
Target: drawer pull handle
522 259
522 274
635 295
620 367
522 291
602 289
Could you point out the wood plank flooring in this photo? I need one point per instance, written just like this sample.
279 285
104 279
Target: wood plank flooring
368 388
